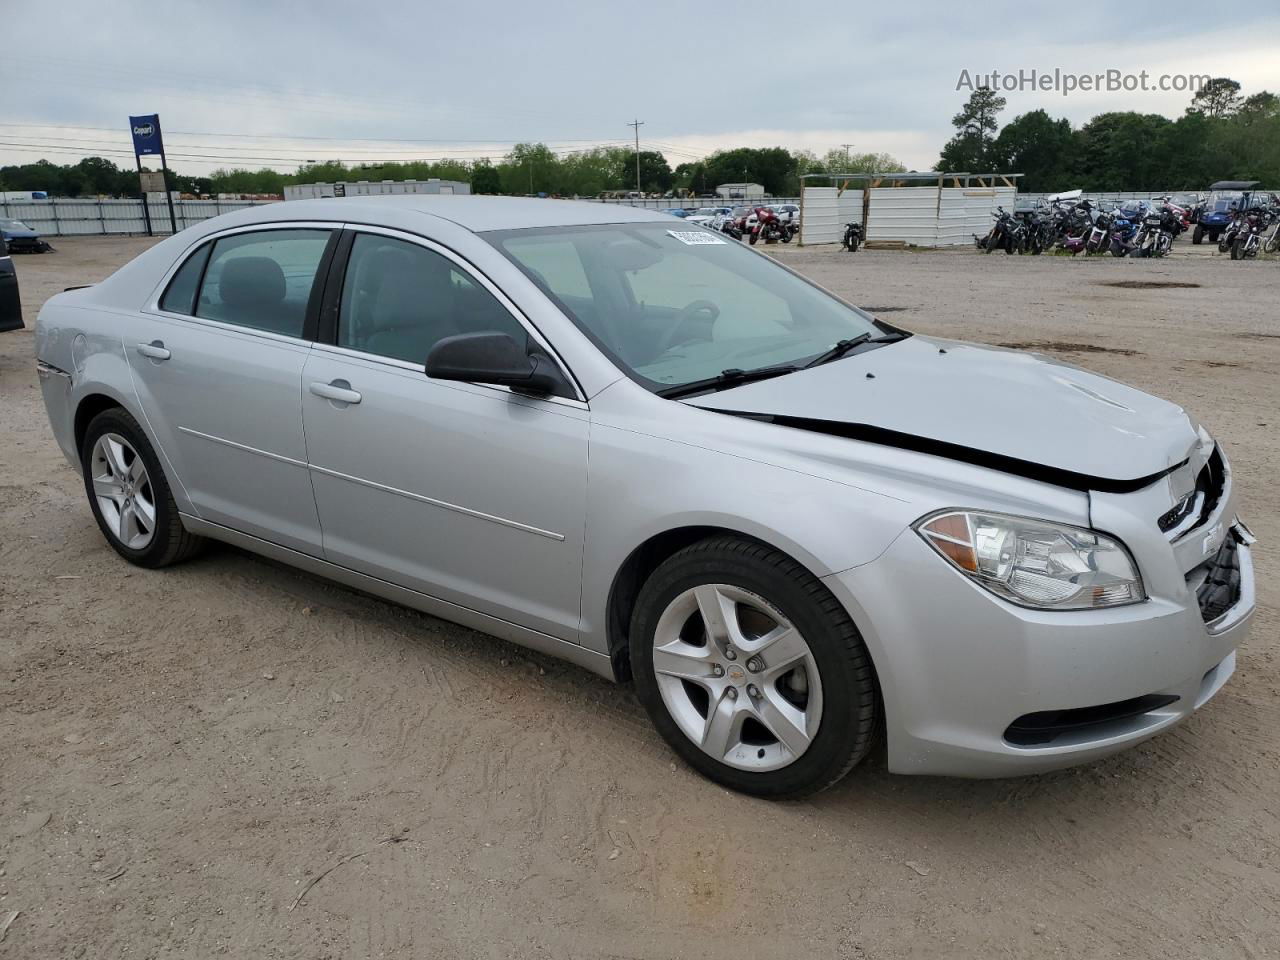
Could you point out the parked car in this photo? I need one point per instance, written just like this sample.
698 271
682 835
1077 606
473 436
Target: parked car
787 212
663 456
680 212
21 238
10 304
705 215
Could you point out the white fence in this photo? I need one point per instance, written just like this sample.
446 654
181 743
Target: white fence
89 217
825 211
917 216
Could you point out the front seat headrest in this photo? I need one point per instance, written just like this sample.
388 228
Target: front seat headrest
251 282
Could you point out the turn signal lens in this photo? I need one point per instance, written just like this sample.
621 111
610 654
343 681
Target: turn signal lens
1035 563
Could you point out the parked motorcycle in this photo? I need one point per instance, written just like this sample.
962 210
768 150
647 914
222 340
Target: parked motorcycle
1037 232
852 236
1247 236
1098 237
1125 226
770 228
1005 234
1155 236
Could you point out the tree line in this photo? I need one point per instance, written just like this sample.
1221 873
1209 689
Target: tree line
528 168
1221 136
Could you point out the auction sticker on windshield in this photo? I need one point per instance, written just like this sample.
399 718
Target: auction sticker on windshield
693 237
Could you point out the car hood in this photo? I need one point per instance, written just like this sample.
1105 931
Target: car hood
1020 412
13 233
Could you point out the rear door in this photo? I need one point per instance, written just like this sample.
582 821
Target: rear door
468 493
218 369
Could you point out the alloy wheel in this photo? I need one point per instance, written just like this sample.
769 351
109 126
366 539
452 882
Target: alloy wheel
123 491
737 677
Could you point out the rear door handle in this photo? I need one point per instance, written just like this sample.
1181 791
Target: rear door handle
155 350
337 390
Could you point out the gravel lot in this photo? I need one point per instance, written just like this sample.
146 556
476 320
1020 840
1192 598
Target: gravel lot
183 752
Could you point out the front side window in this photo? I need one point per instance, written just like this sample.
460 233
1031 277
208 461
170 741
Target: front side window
676 305
399 299
262 280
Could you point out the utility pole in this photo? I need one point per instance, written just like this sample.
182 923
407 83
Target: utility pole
846 155
637 123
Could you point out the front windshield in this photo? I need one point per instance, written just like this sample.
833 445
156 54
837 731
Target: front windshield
673 307
13 225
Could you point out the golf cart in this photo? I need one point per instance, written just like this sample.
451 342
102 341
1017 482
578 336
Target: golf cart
1218 209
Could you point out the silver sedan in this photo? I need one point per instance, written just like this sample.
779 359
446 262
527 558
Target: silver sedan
627 442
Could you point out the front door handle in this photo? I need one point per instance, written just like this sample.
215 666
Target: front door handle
338 391
154 350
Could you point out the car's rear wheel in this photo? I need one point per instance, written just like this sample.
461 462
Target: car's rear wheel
751 670
129 494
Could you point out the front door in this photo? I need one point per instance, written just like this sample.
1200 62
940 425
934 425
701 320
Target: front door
218 371
468 493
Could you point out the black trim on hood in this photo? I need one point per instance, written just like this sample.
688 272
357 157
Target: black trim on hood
954 451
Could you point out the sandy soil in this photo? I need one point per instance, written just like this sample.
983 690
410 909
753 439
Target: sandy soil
183 752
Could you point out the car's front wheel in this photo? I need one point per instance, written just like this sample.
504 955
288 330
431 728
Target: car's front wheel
752 670
129 494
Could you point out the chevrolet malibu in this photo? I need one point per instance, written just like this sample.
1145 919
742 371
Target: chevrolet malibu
624 441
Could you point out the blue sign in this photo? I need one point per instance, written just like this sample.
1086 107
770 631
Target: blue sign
146 135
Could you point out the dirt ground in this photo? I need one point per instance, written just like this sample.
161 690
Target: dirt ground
184 753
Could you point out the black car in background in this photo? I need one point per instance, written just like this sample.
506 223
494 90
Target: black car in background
10 305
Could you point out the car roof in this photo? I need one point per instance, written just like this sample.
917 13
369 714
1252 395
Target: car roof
475 213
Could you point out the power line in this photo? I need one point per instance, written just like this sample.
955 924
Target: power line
267 136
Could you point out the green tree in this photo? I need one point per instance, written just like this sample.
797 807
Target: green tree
1263 105
1036 146
969 150
1218 98
485 179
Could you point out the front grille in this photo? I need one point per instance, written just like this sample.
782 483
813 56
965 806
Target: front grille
1033 729
1198 506
1221 587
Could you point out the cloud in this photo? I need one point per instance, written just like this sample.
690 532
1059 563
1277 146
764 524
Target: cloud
425 80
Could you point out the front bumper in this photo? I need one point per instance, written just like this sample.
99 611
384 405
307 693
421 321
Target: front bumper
958 666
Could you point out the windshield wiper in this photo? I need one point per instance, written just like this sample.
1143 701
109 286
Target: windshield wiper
842 347
726 378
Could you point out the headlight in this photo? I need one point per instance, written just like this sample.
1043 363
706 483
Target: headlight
1035 563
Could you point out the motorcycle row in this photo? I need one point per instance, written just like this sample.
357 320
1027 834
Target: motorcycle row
756 223
1132 228
764 223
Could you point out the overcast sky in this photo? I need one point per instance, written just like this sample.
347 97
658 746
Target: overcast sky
261 83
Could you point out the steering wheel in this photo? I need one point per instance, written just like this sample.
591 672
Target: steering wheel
698 310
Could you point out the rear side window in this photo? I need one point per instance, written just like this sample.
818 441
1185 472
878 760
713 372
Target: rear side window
181 295
400 299
262 280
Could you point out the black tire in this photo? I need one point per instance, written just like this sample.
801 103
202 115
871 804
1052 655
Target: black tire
853 244
753 237
850 703
171 543
1237 249
1197 235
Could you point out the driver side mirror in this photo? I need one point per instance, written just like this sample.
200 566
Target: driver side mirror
493 358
